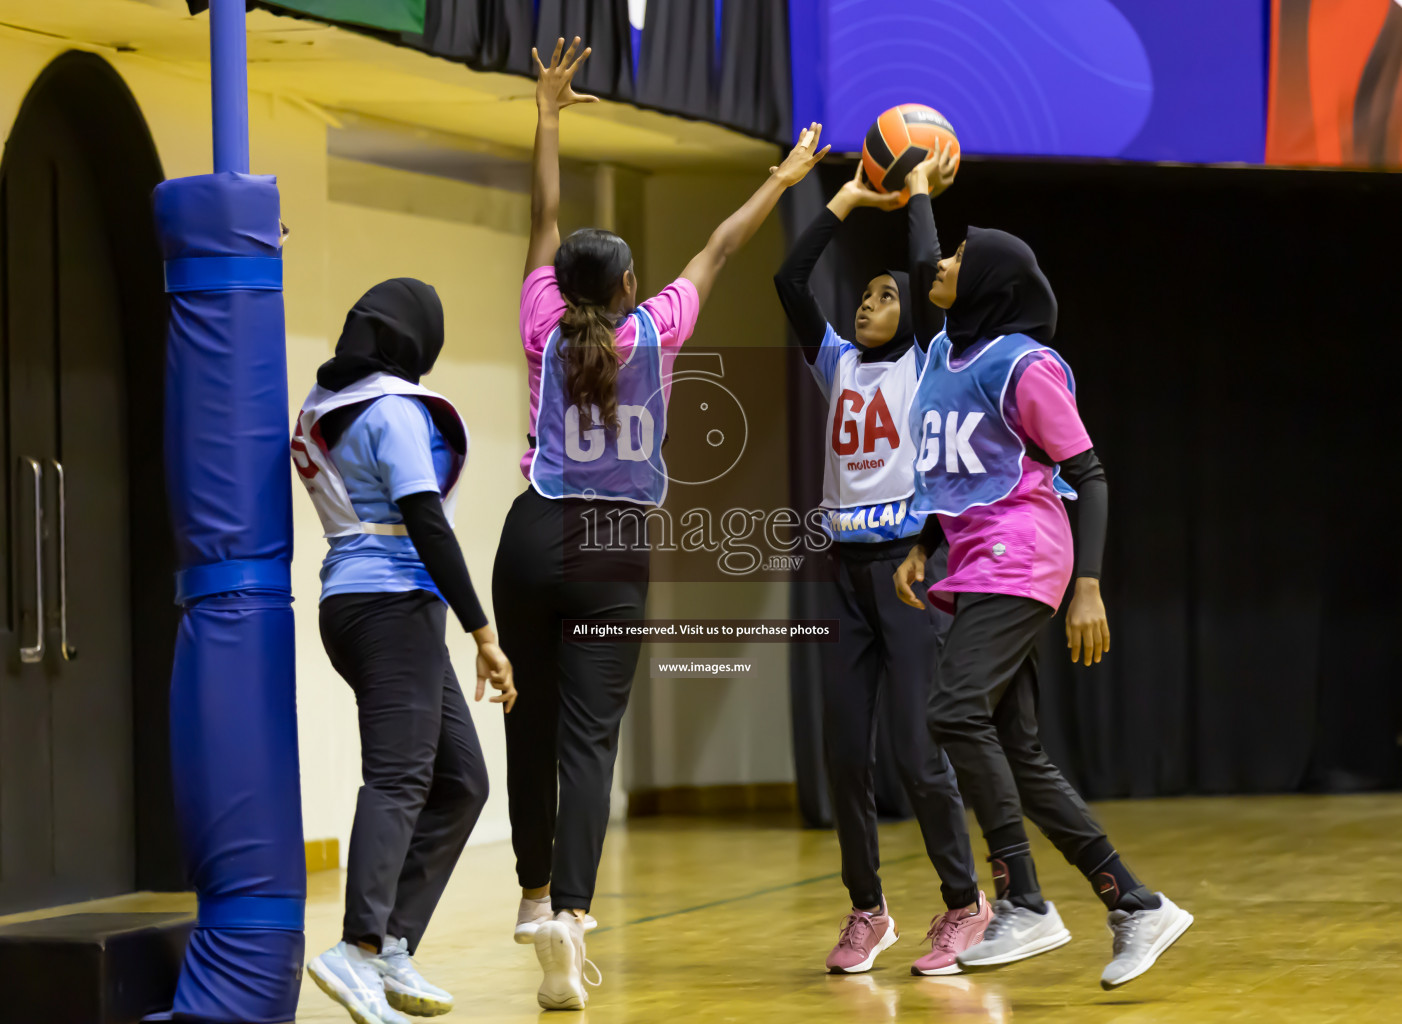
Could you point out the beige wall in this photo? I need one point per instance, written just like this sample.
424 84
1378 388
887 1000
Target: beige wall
698 732
353 226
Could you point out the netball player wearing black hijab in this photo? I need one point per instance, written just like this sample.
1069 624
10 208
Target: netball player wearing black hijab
1000 444
381 457
882 645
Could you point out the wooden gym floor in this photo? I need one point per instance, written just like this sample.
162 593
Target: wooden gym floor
1298 903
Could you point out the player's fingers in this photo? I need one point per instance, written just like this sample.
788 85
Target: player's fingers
857 175
904 591
569 54
1105 635
582 58
820 154
536 55
559 49
1073 639
481 687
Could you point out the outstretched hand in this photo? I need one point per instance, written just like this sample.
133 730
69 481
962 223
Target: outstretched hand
935 174
858 192
802 158
554 89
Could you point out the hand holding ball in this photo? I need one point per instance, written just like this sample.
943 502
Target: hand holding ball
903 138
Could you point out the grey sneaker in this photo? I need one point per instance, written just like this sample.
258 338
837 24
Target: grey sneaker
1015 934
347 974
405 988
1141 938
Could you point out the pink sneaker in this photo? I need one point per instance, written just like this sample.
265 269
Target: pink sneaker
950 934
863 936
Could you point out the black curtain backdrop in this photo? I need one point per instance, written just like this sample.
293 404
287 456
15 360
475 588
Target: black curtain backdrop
1234 334
755 89
746 86
677 64
601 24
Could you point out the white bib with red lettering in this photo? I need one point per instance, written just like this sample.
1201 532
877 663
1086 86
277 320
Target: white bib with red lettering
870 455
318 472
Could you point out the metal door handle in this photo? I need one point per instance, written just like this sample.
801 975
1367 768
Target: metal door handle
69 652
30 655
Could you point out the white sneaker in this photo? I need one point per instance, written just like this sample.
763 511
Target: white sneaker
349 975
1015 934
559 946
405 988
531 914
1140 939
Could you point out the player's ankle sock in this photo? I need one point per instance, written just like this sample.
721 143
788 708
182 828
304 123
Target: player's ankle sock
1114 883
1015 877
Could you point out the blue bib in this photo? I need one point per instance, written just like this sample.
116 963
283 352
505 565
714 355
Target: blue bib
966 454
596 462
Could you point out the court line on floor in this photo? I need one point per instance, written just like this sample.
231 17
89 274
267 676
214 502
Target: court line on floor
741 898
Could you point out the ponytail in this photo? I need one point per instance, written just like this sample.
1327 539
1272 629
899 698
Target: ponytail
589 268
591 362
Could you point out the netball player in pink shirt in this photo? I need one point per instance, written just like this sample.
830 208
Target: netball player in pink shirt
1000 443
599 365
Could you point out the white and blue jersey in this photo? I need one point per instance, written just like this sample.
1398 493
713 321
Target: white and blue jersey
596 462
395 446
867 474
391 450
968 454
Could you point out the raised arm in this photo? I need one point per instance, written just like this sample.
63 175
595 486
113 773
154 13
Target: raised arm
553 93
740 226
925 181
800 305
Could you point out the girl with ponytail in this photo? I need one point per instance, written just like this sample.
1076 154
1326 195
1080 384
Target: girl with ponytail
599 367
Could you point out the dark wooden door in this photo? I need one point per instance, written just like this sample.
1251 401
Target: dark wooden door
66 758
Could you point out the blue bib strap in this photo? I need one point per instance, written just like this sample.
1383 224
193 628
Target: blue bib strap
224 274
226 577
275 913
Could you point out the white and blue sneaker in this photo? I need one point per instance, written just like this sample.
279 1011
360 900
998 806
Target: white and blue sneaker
405 988
349 975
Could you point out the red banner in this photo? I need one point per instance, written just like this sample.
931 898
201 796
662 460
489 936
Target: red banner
1335 83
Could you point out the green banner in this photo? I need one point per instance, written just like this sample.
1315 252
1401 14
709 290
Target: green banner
390 15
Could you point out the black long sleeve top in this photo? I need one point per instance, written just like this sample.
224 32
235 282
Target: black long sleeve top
801 306
441 555
791 281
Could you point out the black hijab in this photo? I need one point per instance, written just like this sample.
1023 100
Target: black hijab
395 328
905 329
1001 290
